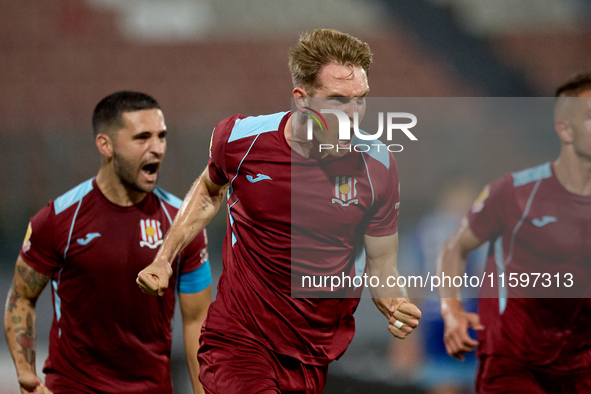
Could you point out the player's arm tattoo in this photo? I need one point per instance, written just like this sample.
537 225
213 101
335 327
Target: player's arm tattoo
26 339
34 280
19 314
205 203
13 297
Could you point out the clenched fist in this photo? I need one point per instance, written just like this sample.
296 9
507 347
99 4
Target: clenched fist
154 278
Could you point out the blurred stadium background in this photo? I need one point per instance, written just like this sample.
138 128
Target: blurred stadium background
204 60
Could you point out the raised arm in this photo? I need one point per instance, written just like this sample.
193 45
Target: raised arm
20 327
382 254
199 207
452 260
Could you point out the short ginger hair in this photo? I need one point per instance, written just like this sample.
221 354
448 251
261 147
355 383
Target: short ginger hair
320 47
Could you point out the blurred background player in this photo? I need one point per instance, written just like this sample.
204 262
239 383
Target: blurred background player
421 360
90 242
257 337
537 220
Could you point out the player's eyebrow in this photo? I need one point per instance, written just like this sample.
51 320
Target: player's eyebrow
143 134
340 95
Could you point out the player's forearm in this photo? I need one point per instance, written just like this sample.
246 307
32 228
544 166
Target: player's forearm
381 257
385 269
452 259
451 262
392 302
191 333
19 329
194 311
200 205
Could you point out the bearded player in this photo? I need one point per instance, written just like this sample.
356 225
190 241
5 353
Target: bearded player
106 335
537 220
291 204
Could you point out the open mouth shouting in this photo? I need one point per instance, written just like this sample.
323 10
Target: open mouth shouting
150 171
344 143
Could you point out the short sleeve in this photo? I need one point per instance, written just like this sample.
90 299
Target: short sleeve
217 150
488 214
39 249
384 211
195 272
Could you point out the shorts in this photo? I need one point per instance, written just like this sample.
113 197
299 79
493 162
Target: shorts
60 384
230 364
505 375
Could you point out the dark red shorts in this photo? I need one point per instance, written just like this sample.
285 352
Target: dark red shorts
60 384
504 375
231 364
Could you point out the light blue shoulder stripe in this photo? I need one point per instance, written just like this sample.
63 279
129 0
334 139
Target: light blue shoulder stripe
71 197
254 125
360 261
169 198
524 177
377 149
500 263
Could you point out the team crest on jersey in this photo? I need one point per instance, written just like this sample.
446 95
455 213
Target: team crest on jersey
479 203
151 233
345 191
27 241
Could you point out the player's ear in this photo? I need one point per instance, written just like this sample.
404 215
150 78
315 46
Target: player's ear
564 131
300 97
104 143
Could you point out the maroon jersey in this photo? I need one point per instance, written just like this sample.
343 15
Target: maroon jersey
106 334
286 211
536 226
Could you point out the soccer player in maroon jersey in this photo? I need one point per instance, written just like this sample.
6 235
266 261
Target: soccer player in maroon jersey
537 220
107 336
290 205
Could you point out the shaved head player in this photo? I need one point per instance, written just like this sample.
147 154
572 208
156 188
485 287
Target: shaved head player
537 220
107 336
285 195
